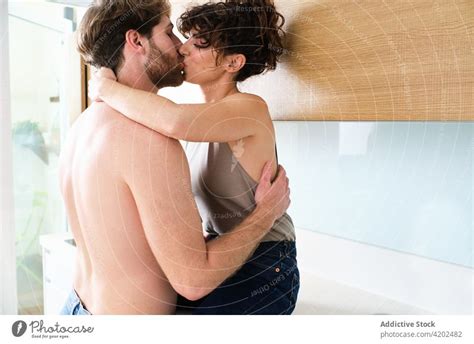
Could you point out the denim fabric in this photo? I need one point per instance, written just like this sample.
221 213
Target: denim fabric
74 306
267 284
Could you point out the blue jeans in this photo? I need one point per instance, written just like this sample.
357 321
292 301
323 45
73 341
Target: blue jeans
268 283
74 306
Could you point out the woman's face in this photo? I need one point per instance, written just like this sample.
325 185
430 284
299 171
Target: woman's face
200 61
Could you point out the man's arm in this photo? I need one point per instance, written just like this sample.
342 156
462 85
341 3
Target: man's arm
159 180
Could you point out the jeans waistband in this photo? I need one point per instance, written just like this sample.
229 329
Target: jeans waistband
283 248
75 301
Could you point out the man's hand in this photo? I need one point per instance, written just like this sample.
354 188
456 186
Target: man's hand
98 81
273 197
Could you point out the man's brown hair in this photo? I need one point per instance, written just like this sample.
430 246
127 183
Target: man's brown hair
102 30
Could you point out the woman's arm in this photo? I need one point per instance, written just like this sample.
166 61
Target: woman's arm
233 118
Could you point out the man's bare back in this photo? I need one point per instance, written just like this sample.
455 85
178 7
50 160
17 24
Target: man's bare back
116 271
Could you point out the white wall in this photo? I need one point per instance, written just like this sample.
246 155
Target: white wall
406 186
385 207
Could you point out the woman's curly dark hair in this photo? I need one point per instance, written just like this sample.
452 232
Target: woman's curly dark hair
249 27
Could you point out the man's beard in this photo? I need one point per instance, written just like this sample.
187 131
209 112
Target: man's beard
162 70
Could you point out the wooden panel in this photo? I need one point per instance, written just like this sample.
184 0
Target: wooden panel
85 76
373 60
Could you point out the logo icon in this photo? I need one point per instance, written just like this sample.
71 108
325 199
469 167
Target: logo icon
19 328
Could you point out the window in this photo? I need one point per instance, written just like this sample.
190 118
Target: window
42 63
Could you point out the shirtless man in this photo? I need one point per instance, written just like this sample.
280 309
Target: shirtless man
127 188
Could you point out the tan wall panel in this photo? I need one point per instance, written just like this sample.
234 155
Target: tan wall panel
372 60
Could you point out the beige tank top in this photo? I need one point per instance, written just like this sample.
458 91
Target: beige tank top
225 193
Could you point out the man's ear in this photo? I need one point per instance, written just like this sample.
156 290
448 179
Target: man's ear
234 63
134 40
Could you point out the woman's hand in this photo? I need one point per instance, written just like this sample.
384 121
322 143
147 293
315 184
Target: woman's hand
98 81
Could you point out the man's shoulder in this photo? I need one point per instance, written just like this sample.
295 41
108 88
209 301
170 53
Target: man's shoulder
123 128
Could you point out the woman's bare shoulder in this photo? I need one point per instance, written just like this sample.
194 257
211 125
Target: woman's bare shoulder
256 104
247 97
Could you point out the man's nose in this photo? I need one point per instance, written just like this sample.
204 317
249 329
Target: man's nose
177 43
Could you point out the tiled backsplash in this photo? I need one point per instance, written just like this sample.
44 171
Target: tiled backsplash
405 186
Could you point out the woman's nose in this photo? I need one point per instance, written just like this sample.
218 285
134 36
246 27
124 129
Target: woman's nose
183 49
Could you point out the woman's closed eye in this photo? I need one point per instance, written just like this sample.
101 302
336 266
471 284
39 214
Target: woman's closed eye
201 43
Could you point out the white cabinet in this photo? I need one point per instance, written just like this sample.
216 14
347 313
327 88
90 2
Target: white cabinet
58 270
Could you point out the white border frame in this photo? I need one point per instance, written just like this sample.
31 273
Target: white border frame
8 282
435 286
